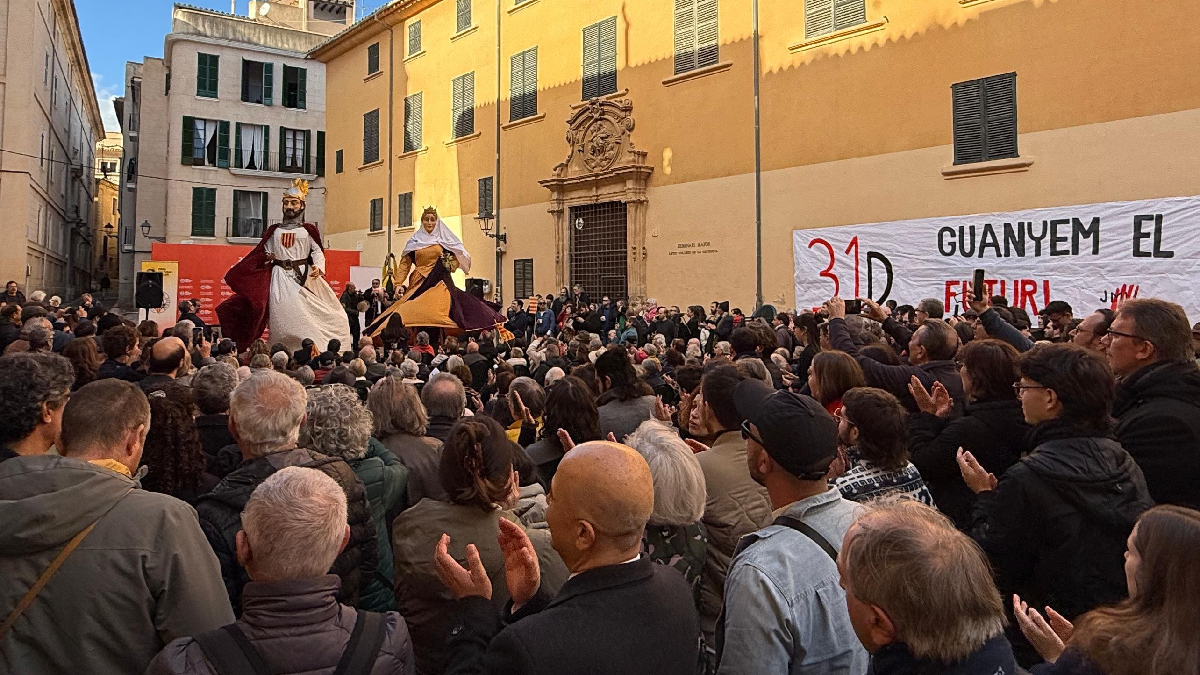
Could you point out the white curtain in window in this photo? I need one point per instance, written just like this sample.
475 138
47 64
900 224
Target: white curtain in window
205 133
252 146
294 148
250 214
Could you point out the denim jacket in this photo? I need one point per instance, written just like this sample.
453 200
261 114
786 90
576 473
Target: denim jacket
785 610
545 322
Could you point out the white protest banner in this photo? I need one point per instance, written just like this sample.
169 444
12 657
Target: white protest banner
1090 256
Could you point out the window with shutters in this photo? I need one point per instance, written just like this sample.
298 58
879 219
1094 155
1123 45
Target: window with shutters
295 83
485 198
522 100
697 41
338 162
463 101
293 150
256 81
404 216
464 15
250 146
600 59
822 17
985 119
523 278
205 142
373 59
412 122
414 38
249 213
376 215
371 137
207 69
204 211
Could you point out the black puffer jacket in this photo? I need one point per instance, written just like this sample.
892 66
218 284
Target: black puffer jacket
994 431
220 514
1158 422
1055 526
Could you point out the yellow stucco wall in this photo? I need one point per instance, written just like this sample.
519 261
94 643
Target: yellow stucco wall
856 130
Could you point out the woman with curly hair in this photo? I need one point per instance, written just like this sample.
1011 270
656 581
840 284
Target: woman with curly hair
338 425
172 453
570 407
85 359
481 482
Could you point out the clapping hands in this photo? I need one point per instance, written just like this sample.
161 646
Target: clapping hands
936 403
1047 637
521 570
974 475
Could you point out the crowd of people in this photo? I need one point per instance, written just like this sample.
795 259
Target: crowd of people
605 487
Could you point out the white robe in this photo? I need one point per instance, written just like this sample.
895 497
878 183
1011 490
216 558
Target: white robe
313 311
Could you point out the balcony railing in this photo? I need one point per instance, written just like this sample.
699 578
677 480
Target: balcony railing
249 228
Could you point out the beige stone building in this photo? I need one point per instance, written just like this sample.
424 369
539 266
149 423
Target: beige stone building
217 129
49 123
106 213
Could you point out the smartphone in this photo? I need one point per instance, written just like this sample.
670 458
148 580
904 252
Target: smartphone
854 306
979 286
197 335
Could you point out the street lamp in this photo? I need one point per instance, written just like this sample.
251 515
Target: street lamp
485 226
146 233
108 233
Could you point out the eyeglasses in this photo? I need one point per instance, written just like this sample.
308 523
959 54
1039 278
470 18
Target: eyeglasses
841 416
748 435
1131 336
1018 388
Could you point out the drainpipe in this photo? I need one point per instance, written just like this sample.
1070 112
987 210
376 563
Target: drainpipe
496 181
757 169
391 128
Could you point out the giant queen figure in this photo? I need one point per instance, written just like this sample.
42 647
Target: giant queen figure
281 285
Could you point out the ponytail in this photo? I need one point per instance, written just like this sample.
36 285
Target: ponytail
476 464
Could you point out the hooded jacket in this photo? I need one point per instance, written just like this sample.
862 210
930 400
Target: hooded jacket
1158 423
385 479
1055 526
297 626
220 514
142 577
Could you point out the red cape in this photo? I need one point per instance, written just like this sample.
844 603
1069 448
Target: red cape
243 316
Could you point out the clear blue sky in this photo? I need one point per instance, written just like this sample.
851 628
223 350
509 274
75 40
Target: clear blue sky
114 33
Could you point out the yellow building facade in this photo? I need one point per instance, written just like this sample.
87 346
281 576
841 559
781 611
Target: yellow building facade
106 212
648 189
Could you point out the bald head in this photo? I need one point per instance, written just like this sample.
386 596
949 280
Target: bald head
166 356
602 497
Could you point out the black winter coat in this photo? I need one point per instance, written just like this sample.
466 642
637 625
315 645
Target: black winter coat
9 333
636 618
1158 423
220 514
1055 526
994 431
895 379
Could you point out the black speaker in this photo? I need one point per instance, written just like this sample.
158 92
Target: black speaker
475 287
149 293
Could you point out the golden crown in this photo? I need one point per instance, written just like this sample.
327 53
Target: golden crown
300 186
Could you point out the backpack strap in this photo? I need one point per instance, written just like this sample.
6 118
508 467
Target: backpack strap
230 652
807 530
361 651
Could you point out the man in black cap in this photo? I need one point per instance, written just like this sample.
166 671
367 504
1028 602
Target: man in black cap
784 605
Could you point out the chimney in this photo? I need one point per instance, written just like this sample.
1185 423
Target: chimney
233 6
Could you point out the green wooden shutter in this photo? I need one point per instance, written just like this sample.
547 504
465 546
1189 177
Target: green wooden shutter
223 144
456 107
301 86
237 146
414 38
266 155
201 74
848 13
320 153
307 151
1000 116
968 122
464 15
189 140
685 36
282 149
818 18
370 151
464 105
245 83
608 56
591 61
263 214
268 82
204 211
708 37
373 58
485 198
531 79
412 122
516 86
338 161
236 213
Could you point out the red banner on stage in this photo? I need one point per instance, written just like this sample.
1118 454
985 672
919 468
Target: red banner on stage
202 269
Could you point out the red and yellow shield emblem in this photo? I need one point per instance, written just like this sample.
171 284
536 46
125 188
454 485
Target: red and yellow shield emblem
287 239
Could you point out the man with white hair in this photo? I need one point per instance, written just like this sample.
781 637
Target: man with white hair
293 527
265 414
554 375
279 361
375 369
